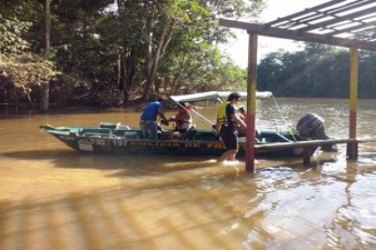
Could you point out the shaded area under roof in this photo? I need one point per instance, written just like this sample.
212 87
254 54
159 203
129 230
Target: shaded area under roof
346 23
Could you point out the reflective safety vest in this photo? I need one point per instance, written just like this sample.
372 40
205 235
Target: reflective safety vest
222 116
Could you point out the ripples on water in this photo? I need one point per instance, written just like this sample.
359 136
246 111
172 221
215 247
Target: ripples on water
54 197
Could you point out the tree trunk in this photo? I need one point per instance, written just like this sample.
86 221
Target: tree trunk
15 98
154 53
122 77
164 85
126 68
45 88
44 100
149 47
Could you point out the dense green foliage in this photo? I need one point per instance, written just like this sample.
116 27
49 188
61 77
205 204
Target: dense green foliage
316 71
20 69
108 52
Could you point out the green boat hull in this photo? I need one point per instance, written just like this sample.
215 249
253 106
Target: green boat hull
122 141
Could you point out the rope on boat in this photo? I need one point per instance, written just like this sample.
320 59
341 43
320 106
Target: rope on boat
291 129
203 118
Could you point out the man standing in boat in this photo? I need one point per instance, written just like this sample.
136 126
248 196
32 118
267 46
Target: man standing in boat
227 121
148 121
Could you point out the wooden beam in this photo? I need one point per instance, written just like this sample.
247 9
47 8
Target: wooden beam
318 12
300 144
352 151
351 6
304 12
356 27
296 35
251 103
338 19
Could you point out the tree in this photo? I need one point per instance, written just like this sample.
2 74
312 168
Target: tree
21 69
168 24
45 87
317 71
137 46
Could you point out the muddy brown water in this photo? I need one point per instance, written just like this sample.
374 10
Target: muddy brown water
52 197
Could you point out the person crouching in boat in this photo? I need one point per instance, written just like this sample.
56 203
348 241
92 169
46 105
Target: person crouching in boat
148 120
183 120
227 121
241 131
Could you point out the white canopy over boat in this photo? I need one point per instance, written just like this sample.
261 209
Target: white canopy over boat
216 95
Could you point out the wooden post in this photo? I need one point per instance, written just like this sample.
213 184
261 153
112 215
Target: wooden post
307 155
352 148
45 87
251 103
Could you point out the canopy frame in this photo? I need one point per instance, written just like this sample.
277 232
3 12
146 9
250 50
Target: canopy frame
345 23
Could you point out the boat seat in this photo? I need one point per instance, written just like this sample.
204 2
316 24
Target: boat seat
110 125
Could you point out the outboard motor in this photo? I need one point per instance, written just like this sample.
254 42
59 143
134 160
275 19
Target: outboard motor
311 127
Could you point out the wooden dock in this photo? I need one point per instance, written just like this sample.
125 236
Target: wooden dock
309 146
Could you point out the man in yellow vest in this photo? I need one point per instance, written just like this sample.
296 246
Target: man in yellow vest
227 121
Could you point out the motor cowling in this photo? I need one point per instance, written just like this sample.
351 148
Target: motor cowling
311 127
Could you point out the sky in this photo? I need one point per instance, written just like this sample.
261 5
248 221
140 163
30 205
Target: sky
238 48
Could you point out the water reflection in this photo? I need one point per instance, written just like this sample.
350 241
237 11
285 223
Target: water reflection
54 197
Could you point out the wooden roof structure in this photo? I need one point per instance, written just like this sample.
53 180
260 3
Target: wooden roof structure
347 23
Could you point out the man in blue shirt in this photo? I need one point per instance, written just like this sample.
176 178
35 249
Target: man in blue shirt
148 121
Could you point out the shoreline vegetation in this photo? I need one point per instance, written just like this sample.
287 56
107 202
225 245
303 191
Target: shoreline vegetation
100 54
58 54
133 105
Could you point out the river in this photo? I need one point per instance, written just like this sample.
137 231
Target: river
52 197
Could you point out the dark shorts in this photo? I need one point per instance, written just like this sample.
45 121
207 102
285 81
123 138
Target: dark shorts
230 138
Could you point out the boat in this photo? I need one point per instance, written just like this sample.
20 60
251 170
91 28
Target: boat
117 138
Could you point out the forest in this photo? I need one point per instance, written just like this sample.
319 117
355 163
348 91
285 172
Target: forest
319 71
103 53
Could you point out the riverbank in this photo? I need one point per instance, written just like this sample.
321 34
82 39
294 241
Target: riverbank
134 105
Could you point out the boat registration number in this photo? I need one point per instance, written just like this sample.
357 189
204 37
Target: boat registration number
85 145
